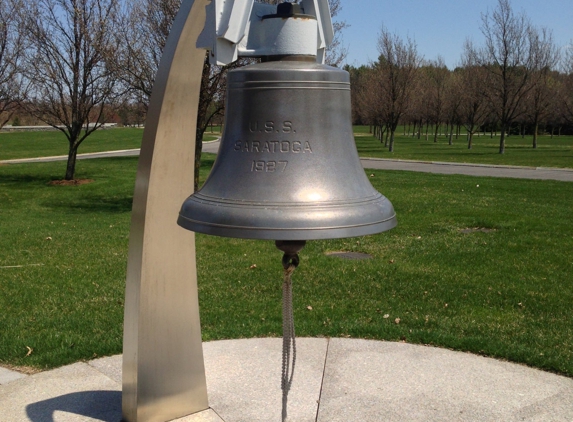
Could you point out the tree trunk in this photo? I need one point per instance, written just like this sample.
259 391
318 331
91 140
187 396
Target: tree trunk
391 143
502 140
198 151
535 129
71 165
470 139
437 129
451 134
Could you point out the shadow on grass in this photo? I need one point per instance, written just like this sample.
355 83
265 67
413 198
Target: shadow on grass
19 179
95 203
99 405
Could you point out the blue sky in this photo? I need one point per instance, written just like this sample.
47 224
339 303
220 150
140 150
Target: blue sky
439 27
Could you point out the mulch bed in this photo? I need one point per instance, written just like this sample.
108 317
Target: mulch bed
74 182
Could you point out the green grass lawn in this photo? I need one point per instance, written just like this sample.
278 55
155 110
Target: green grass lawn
556 152
53 143
484 268
551 152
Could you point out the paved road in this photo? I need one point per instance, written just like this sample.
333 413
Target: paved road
119 153
488 170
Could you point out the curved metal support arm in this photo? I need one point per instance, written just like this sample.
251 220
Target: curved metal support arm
163 369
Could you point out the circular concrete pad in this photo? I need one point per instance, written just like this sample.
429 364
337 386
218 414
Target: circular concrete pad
382 381
335 380
363 380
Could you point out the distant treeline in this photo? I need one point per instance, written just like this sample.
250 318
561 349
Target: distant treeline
517 82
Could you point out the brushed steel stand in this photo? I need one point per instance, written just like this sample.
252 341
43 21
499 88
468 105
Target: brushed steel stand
163 368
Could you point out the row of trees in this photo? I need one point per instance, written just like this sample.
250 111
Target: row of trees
518 78
72 63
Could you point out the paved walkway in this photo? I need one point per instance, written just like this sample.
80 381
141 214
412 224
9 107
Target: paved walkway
487 170
335 380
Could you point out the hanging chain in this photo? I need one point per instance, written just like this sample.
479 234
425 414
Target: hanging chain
290 262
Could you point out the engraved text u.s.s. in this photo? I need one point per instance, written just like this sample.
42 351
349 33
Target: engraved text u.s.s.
270 129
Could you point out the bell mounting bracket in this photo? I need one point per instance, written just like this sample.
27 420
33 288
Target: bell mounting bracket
242 28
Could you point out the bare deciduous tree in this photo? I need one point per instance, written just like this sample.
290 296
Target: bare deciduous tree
545 58
372 106
142 31
68 83
358 77
507 55
396 73
337 52
438 75
453 103
474 107
566 85
11 48
421 105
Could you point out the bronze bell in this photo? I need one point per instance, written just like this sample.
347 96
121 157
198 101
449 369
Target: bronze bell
287 167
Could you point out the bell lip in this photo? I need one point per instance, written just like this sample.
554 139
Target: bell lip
311 233
299 220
